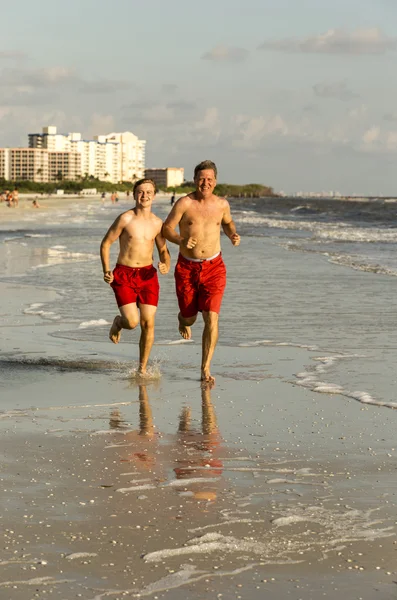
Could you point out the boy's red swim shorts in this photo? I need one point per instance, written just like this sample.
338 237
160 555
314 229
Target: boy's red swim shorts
135 284
199 285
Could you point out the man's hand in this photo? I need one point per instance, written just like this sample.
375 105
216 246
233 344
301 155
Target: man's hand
163 268
190 243
108 277
235 239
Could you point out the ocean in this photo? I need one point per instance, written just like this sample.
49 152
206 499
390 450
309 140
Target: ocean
279 480
311 273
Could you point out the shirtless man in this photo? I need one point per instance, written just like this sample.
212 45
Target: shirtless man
134 280
200 274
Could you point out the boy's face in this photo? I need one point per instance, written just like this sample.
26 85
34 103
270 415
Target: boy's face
144 195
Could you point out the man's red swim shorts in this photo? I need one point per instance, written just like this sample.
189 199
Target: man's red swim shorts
140 285
199 285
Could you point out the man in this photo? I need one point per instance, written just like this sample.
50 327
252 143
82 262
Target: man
134 280
200 274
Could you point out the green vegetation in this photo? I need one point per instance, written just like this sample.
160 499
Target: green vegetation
70 187
252 190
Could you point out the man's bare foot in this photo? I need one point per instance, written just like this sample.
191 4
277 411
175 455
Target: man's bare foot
206 377
185 331
115 331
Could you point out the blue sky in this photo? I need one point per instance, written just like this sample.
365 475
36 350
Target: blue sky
297 94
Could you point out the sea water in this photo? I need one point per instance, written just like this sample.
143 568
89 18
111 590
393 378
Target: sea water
309 273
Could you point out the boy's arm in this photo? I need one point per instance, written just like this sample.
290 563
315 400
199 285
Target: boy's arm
164 255
111 236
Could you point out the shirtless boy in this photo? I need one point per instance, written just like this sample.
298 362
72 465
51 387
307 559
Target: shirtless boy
200 274
134 280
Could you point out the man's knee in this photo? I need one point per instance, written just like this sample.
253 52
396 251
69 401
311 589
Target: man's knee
210 318
147 324
187 321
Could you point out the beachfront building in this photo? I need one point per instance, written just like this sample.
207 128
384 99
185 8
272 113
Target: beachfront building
168 177
28 164
4 163
113 157
131 154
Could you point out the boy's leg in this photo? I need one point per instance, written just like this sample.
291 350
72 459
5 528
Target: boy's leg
128 319
147 318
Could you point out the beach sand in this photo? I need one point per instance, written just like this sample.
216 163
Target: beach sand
114 486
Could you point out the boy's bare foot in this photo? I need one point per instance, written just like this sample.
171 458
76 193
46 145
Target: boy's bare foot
206 377
115 331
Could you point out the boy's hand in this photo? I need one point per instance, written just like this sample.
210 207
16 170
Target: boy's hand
163 268
108 277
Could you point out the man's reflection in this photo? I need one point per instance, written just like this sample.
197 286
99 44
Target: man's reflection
193 451
198 461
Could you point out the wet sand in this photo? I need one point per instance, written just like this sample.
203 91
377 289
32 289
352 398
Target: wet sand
117 487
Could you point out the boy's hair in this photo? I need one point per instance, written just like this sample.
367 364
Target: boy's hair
140 181
205 164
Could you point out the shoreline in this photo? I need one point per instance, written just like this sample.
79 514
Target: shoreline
117 487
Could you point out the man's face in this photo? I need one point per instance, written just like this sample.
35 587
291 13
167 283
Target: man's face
144 194
205 182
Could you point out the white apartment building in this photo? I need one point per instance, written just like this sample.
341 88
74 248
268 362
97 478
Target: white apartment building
114 157
169 177
131 155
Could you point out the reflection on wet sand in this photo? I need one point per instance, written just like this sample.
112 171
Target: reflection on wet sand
192 454
199 447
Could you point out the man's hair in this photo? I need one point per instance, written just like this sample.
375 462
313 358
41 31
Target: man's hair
205 164
141 181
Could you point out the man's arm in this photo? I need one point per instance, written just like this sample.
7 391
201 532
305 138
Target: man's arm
111 236
229 226
164 255
173 220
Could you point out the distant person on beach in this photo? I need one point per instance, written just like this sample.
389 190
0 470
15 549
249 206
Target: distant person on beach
172 199
113 197
134 280
103 196
35 204
200 273
15 197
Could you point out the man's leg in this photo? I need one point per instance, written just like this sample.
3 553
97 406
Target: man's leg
184 326
210 338
128 319
148 313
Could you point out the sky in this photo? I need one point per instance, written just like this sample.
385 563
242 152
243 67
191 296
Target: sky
300 95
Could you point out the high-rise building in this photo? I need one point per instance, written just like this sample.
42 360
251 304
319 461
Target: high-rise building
168 177
114 157
131 154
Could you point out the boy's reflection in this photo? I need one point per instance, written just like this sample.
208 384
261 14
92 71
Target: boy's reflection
192 451
144 440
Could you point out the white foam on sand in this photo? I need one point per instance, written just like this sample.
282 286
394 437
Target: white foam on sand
310 379
93 323
77 555
36 309
287 540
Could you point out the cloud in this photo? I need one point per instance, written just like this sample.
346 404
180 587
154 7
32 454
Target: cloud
337 41
104 86
390 117
226 54
11 54
169 88
338 90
